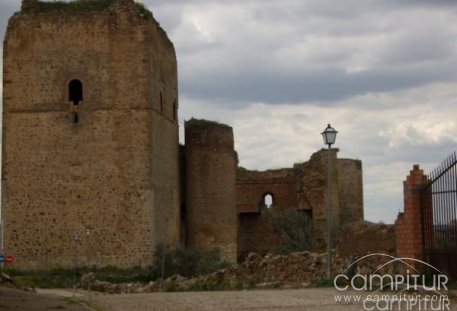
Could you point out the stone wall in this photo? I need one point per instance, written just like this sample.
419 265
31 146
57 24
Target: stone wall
349 181
303 187
115 172
313 192
211 218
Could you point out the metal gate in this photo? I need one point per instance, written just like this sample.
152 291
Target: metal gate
439 217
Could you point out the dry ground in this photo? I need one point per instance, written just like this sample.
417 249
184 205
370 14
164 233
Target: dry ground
18 300
320 299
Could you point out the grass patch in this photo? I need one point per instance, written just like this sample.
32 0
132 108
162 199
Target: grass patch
66 278
324 283
70 301
205 286
143 11
86 6
188 263
74 6
118 275
203 123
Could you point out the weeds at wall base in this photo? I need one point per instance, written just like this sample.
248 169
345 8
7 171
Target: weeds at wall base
67 278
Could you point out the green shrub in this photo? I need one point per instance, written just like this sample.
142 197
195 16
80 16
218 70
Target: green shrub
296 230
188 263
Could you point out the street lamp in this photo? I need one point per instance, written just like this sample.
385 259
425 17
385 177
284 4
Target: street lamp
88 232
329 135
76 238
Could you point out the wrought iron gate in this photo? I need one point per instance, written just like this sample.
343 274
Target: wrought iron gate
439 217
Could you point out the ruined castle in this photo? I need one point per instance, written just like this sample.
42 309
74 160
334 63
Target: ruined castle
91 164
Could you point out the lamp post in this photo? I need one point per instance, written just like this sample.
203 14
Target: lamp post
88 232
329 135
76 238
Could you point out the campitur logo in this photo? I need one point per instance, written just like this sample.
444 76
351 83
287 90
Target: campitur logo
390 291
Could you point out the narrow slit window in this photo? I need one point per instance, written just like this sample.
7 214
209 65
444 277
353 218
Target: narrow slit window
175 110
75 96
161 102
75 92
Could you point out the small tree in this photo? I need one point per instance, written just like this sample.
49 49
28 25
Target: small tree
296 229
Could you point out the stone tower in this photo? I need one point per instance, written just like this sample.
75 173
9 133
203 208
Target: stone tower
210 165
90 136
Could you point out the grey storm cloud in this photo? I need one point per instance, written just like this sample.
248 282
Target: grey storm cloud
383 72
245 59
324 86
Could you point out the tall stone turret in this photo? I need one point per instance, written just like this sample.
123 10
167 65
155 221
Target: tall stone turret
210 164
90 135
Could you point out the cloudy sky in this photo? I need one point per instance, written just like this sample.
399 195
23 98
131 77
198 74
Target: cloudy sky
382 72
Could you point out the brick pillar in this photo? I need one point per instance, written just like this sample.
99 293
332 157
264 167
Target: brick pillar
408 226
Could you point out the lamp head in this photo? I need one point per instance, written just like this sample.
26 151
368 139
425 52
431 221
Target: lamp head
329 135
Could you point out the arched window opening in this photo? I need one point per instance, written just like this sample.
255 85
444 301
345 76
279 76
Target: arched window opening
75 96
268 200
75 92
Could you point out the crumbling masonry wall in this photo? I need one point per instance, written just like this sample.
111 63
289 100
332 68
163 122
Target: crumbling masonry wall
303 187
350 182
115 172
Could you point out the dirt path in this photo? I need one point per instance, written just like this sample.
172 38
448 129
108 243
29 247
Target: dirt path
18 300
257 300
272 300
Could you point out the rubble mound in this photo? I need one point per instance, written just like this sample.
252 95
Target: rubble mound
294 270
301 269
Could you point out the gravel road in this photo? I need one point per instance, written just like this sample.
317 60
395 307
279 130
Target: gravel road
319 299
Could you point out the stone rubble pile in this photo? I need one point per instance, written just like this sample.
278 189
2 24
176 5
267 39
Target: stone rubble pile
295 270
89 282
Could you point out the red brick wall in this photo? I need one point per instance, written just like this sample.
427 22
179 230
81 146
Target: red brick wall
251 192
256 233
408 226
